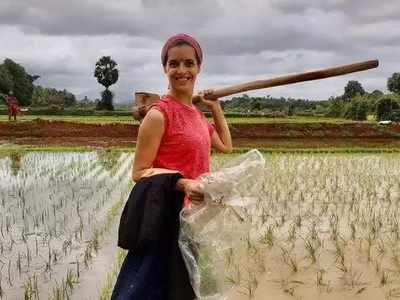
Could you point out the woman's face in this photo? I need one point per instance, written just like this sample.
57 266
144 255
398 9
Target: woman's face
182 68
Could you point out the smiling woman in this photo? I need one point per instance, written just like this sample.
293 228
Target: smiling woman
174 137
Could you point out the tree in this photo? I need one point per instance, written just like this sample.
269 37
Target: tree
6 80
22 82
335 108
106 74
353 88
49 96
376 94
69 98
356 109
393 83
385 108
291 110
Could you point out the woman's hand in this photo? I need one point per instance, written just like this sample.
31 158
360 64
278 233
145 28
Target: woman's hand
203 97
192 189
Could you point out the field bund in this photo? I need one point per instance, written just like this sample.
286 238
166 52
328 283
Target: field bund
269 135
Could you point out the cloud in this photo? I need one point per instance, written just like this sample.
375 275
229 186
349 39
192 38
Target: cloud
242 41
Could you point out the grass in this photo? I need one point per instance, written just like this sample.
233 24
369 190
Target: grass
130 120
7 150
76 119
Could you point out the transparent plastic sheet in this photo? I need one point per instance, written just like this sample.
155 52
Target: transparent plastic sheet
216 237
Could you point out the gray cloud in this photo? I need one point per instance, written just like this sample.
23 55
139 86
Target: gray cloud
242 41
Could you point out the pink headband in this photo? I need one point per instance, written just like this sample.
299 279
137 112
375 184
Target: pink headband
172 41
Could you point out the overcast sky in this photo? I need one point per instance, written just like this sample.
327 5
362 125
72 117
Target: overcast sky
242 40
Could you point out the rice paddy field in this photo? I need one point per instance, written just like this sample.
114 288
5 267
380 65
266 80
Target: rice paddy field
326 227
56 211
231 120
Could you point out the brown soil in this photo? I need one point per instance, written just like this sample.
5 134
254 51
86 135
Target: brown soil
286 135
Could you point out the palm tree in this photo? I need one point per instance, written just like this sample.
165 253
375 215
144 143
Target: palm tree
106 74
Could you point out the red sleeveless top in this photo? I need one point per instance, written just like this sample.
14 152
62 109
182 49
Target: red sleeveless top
186 143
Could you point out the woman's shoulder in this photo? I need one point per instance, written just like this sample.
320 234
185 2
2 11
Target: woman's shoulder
162 104
162 108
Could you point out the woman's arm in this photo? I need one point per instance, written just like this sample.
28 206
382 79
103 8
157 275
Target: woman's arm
149 137
221 139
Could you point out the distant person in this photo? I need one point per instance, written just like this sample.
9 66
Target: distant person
13 107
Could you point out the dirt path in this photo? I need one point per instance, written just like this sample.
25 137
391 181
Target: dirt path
278 135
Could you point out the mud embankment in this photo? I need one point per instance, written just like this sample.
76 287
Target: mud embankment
41 132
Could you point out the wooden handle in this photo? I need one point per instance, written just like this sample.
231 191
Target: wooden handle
289 79
142 104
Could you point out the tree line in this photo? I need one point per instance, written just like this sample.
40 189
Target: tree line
355 103
13 77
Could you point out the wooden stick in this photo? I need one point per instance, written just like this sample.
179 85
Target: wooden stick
289 79
144 100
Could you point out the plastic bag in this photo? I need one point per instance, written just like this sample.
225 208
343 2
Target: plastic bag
215 237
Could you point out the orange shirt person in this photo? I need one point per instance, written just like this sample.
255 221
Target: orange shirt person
13 107
174 136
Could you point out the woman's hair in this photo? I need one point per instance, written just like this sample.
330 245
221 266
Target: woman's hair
179 40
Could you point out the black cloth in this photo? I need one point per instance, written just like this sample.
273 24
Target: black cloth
149 228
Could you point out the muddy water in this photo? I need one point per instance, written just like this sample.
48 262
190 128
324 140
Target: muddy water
92 280
49 248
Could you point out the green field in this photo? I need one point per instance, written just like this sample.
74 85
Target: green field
130 120
77 119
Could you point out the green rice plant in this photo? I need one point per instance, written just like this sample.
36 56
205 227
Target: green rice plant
64 290
9 273
321 283
352 279
259 263
395 229
31 291
378 266
249 285
353 231
234 277
28 256
313 231
384 278
396 261
333 222
381 247
229 257
251 246
289 260
19 264
292 233
298 221
1 287
268 237
311 251
108 285
340 255
287 286
70 280
393 293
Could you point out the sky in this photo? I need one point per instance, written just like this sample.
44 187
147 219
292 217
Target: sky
242 40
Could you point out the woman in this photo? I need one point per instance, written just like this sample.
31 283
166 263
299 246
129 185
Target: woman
174 136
